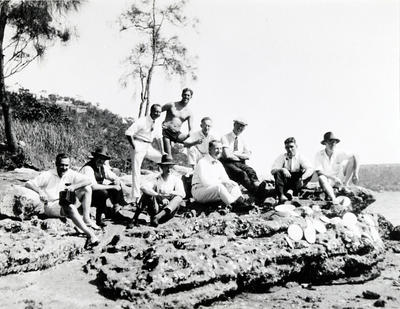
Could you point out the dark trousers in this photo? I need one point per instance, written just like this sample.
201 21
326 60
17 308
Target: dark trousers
242 174
294 182
152 205
99 199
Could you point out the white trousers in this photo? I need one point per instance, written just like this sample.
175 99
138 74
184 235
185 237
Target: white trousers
218 192
142 150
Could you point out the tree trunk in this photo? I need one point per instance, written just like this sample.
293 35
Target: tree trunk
11 141
148 83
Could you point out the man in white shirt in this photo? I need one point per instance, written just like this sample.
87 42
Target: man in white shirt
140 136
335 168
234 156
210 181
53 183
199 141
98 172
162 196
291 171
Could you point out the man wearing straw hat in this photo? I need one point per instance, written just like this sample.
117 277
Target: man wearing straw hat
335 168
105 185
163 196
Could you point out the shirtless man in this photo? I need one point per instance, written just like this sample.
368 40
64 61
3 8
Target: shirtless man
177 114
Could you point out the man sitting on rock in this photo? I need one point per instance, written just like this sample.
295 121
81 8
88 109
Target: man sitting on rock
64 182
291 171
335 168
234 156
99 172
162 196
211 183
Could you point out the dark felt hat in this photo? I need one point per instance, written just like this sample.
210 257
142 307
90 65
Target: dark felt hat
101 152
329 136
166 160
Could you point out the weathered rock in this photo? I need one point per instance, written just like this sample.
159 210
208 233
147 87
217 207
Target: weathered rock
370 295
195 261
36 244
395 234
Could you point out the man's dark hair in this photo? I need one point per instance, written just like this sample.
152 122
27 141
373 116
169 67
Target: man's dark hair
187 89
290 140
154 106
205 119
61 156
212 142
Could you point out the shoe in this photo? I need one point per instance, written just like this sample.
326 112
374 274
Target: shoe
242 206
282 199
91 242
289 194
154 222
92 225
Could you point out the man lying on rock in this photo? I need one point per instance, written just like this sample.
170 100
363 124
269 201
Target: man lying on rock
335 168
211 183
57 189
291 172
163 195
98 172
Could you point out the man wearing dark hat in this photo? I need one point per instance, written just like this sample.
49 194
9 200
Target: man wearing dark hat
98 172
162 196
234 156
291 171
335 168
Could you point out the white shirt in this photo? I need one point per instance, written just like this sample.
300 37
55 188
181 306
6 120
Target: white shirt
332 166
209 172
142 129
52 184
203 147
172 185
89 172
228 141
294 164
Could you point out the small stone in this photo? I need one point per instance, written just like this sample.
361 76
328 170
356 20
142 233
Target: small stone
391 298
380 303
370 295
291 284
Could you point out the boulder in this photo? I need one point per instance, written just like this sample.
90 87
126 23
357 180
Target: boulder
36 244
189 262
20 202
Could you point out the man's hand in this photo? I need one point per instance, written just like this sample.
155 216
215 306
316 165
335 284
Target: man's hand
71 188
43 196
337 180
165 201
286 173
199 141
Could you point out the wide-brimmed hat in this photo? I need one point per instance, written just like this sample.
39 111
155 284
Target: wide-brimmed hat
166 160
101 152
241 120
329 136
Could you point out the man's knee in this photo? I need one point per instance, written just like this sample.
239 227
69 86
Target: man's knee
84 191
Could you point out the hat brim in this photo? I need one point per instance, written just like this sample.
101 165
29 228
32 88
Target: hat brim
166 163
331 139
240 122
100 155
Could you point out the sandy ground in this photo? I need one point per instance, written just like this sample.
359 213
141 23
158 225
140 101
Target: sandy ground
67 286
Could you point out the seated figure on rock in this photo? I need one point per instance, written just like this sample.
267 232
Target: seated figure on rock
291 171
163 195
99 172
335 168
210 181
235 153
58 188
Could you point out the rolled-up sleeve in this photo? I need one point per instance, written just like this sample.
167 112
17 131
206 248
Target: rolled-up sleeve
88 172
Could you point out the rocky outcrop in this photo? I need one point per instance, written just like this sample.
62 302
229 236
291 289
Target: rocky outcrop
189 262
36 244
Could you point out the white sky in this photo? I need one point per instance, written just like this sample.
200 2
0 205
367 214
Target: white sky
292 68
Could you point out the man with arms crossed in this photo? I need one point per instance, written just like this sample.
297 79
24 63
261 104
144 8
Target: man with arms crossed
177 114
50 183
291 171
140 136
335 168
210 181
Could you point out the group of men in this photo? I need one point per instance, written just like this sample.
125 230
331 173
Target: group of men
220 167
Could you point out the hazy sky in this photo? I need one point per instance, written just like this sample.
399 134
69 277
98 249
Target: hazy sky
292 68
